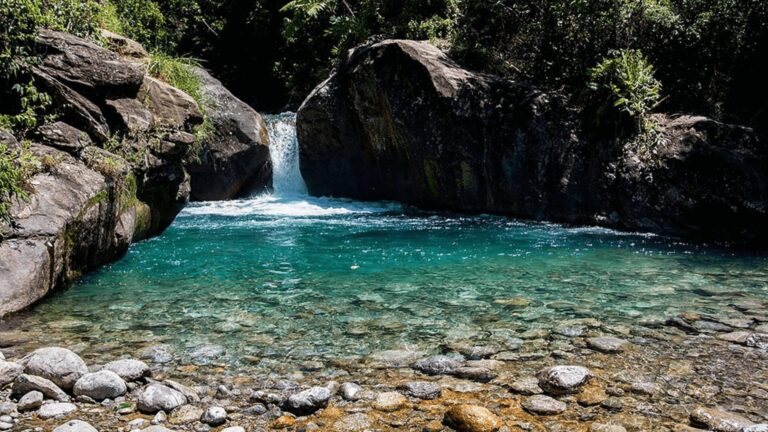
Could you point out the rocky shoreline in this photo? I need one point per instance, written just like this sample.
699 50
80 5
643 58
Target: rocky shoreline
688 373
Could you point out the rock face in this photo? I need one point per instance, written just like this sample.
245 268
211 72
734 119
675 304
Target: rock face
235 154
114 164
398 120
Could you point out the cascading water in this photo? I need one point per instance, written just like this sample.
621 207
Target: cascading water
284 153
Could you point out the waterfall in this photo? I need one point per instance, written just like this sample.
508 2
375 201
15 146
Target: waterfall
284 153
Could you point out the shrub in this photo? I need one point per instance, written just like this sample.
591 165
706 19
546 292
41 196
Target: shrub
624 80
176 71
16 166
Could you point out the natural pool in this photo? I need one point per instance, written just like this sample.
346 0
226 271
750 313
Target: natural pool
287 279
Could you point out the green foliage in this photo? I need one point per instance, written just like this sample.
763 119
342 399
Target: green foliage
78 17
109 18
16 166
176 71
626 78
142 20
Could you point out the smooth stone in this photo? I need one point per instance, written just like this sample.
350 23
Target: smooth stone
214 416
421 389
353 423
100 385
233 429
30 401
6 425
478 352
206 354
719 421
746 338
471 418
543 405
309 401
9 371
159 354
570 331
129 369
157 397
601 427
526 386
475 373
607 344
188 392
59 365
563 379
389 401
26 383
159 418
396 358
7 408
156 428
2 356
350 391
763 427
75 426
138 423
56 409
439 364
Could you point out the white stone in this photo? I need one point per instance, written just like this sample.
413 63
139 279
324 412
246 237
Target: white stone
58 409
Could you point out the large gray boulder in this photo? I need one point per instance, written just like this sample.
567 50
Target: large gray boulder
75 426
398 120
157 397
308 401
129 369
8 372
235 154
60 365
100 385
30 383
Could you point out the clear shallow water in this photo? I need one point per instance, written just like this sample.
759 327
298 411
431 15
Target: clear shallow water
288 278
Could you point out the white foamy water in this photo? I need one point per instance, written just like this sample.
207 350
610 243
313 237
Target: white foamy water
289 197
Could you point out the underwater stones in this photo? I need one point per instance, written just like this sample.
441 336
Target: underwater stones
601 427
563 379
158 397
100 385
60 365
188 392
477 352
30 401
75 426
353 423
214 416
350 391
543 405
27 383
719 421
389 401
56 409
471 418
308 401
570 330
206 354
421 389
480 374
157 353
607 344
234 429
519 302
439 364
746 338
526 386
9 371
396 358
129 369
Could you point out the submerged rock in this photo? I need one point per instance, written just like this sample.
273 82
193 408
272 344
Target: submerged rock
544 405
719 421
350 391
421 389
309 401
439 364
471 418
563 379
607 344
389 401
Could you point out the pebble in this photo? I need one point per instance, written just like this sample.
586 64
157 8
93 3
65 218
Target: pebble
563 379
350 391
138 423
389 401
719 421
159 418
543 405
421 389
526 386
471 418
309 401
100 385
214 416
233 429
75 426
57 409
353 423
475 373
607 344
157 354
7 408
613 404
186 414
30 401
